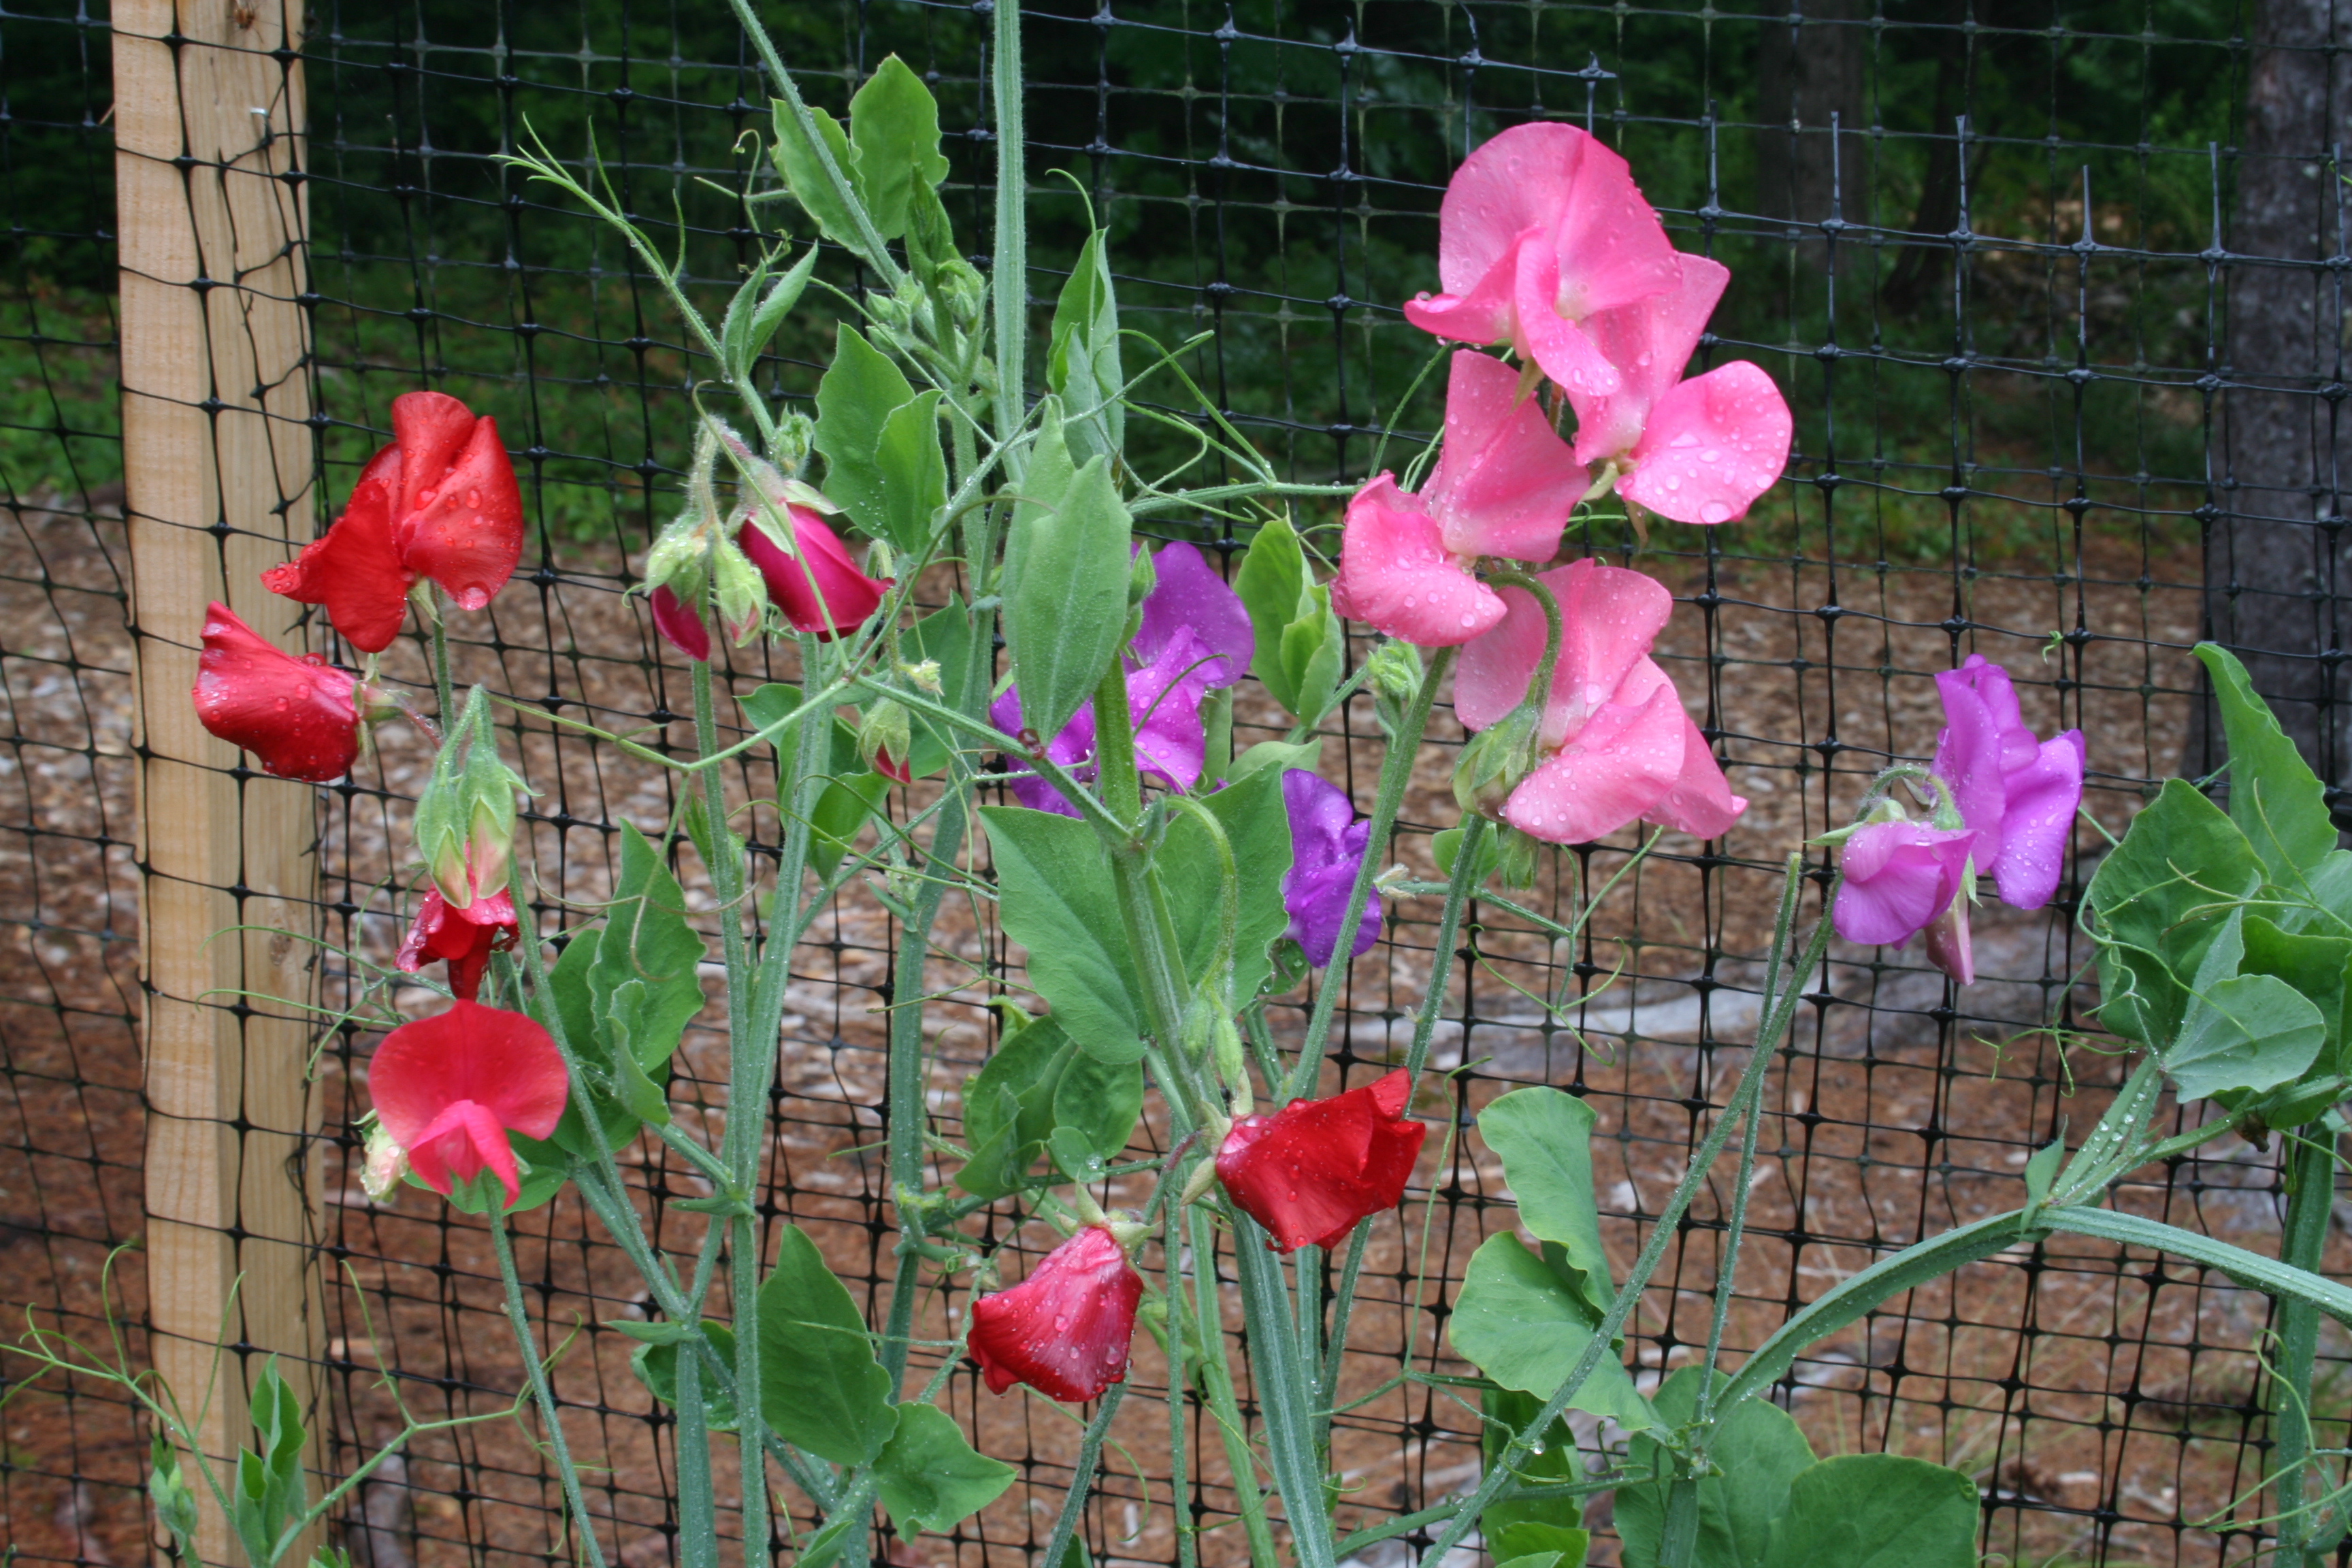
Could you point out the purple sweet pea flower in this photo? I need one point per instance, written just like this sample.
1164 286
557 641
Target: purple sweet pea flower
1899 877
1327 846
2017 794
1194 637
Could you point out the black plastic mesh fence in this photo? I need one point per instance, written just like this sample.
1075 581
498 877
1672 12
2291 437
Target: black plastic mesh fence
2058 306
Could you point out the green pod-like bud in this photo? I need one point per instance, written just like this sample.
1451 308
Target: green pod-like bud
1394 674
738 589
1141 578
884 739
465 816
1494 761
1515 858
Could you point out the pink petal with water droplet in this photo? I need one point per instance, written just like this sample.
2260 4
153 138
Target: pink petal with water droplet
1616 769
1701 803
1711 446
1551 340
1394 574
1649 342
1507 482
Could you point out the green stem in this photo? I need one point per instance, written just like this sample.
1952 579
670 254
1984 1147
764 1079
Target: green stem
1396 773
1180 1508
1082 1479
1499 1472
1217 1385
1281 1380
1009 263
445 693
697 1511
558 1449
2304 1541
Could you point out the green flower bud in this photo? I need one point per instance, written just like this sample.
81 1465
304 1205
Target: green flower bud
965 292
1393 673
386 1162
466 814
1515 858
1141 578
795 439
1494 762
739 591
884 739
175 1504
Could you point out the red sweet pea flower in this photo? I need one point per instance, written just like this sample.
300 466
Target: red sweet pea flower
439 502
1311 1170
464 937
1064 1330
450 1088
822 590
297 715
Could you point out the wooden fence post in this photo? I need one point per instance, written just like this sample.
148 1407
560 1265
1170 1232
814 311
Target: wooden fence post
218 453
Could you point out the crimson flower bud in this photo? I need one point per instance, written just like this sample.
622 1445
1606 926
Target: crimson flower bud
385 1163
813 581
1063 1330
1311 1170
1949 946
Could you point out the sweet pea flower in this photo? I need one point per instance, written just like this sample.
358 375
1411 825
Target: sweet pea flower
297 716
439 502
1311 1170
1327 846
680 623
815 584
1901 876
1700 450
1615 742
464 937
2017 794
1064 1330
1541 229
1193 637
1504 485
450 1088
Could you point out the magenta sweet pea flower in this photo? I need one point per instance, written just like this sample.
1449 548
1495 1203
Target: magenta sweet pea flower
1194 637
1700 450
1504 485
1541 229
2017 794
1327 846
1900 877
1620 747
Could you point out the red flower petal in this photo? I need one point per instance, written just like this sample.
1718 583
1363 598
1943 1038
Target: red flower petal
501 1063
1064 1330
464 529
1311 1170
353 569
466 938
681 627
822 592
428 430
295 714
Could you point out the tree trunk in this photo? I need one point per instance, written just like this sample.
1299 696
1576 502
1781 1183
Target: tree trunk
1809 64
2273 552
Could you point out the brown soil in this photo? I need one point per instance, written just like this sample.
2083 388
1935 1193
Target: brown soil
2107 1407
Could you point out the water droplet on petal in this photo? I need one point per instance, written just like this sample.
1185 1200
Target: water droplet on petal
1710 455
424 497
1714 511
1684 439
473 498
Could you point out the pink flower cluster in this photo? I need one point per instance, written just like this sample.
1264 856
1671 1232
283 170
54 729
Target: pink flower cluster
1546 245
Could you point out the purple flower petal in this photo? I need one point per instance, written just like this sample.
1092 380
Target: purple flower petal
1163 701
1968 752
1899 876
1073 749
2040 822
1190 596
1327 846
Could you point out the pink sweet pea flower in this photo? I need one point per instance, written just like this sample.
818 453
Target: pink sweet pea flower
297 716
450 1088
1700 450
1621 746
2017 794
1064 1330
820 589
680 624
1900 878
1541 228
1504 485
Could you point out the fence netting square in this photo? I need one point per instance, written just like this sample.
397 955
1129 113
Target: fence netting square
2055 290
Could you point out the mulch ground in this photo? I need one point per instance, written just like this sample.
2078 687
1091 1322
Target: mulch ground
2106 1409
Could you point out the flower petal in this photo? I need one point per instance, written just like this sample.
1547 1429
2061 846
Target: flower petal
1613 249
1320 814
429 429
465 530
1701 803
354 570
1562 348
458 1143
1968 756
1899 876
1614 770
1394 574
1163 703
1649 342
1711 446
820 592
2039 822
1505 482
1610 616
1065 1330
1187 594
1310 1172
680 625
1488 311
295 715
1493 673
502 1060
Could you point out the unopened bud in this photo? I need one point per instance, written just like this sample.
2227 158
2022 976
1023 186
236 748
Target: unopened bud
1515 859
385 1163
924 677
1141 578
1394 674
1197 1184
738 591
795 439
965 292
886 739
466 814
1494 761
1226 1042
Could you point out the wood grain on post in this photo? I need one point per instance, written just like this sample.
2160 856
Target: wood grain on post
218 455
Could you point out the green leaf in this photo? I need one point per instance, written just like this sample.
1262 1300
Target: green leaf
1311 647
2252 1031
804 175
1445 845
1756 1451
1074 1155
1055 898
1876 1511
1539 1545
820 1386
2273 794
656 1364
824 1544
1099 1101
914 475
1082 359
1278 755
1543 1136
944 637
768 315
1272 581
855 400
2042 1170
1507 1412
2316 967
735 328
841 809
270 1491
894 124
1065 611
930 1477
1192 876
766 705
2161 898
1519 1322
1008 1107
